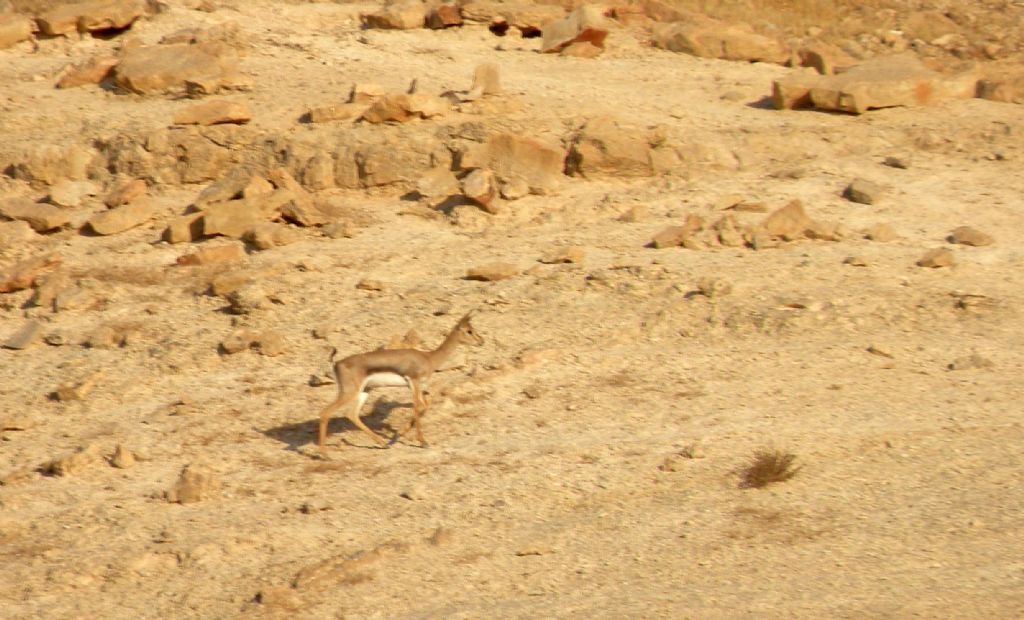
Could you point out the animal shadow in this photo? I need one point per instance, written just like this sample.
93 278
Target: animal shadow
304 433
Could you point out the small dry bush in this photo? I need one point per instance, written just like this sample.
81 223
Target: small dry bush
766 467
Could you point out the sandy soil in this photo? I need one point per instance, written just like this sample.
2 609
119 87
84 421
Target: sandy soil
585 461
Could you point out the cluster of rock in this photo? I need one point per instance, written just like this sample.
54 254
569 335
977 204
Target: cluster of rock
90 16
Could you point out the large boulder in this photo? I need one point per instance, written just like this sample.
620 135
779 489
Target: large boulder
606 147
710 38
398 16
157 69
537 162
586 24
899 80
14 28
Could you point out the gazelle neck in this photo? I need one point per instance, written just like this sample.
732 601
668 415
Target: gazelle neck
441 354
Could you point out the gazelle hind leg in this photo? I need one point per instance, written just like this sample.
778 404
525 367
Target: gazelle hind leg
325 417
353 416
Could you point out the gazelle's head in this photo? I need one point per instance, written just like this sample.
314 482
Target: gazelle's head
465 332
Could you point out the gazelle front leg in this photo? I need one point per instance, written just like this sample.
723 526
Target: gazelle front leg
419 408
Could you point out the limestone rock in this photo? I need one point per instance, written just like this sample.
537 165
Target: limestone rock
92 71
444 16
1006 86
228 187
120 219
492 272
709 38
825 58
605 147
184 228
91 16
527 18
509 155
938 257
271 344
570 254
213 255
481 187
26 336
23 274
241 339
15 233
169 68
965 235
193 485
41 217
863 191
213 113
270 235
68 193
366 92
487 79
882 233
582 49
438 183
587 24
74 464
125 192
14 28
900 80
403 108
670 237
234 218
336 112
123 458
788 223
398 16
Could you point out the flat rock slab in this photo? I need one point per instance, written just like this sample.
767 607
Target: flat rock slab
171 68
25 337
120 219
214 113
40 216
586 24
492 272
900 80
509 155
91 16
709 38
92 71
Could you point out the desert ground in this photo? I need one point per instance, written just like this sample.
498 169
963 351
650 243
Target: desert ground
160 384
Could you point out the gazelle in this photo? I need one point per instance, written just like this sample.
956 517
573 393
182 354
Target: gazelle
358 374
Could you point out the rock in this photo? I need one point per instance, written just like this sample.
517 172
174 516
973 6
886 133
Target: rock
193 485
825 58
336 112
416 492
570 254
270 235
228 187
236 217
14 28
214 255
492 272
899 80
713 288
205 67
15 233
1005 86
92 71
670 237
487 79
896 162
257 186
881 350
582 49
25 337
91 16
863 191
239 340
120 219
971 362
605 147
729 232
106 337
339 230
586 24
438 183
369 284
125 192
403 108
214 112
184 228
883 233
366 93
481 187
513 188
23 274
271 344
67 193
709 38
123 458
509 155
398 16
938 257
79 391
855 261
788 223
634 214
41 217
248 299
74 464
527 18
444 16
965 235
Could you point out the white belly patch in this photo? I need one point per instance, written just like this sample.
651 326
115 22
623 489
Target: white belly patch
383 379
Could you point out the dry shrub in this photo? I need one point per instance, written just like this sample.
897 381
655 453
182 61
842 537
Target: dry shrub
767 466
